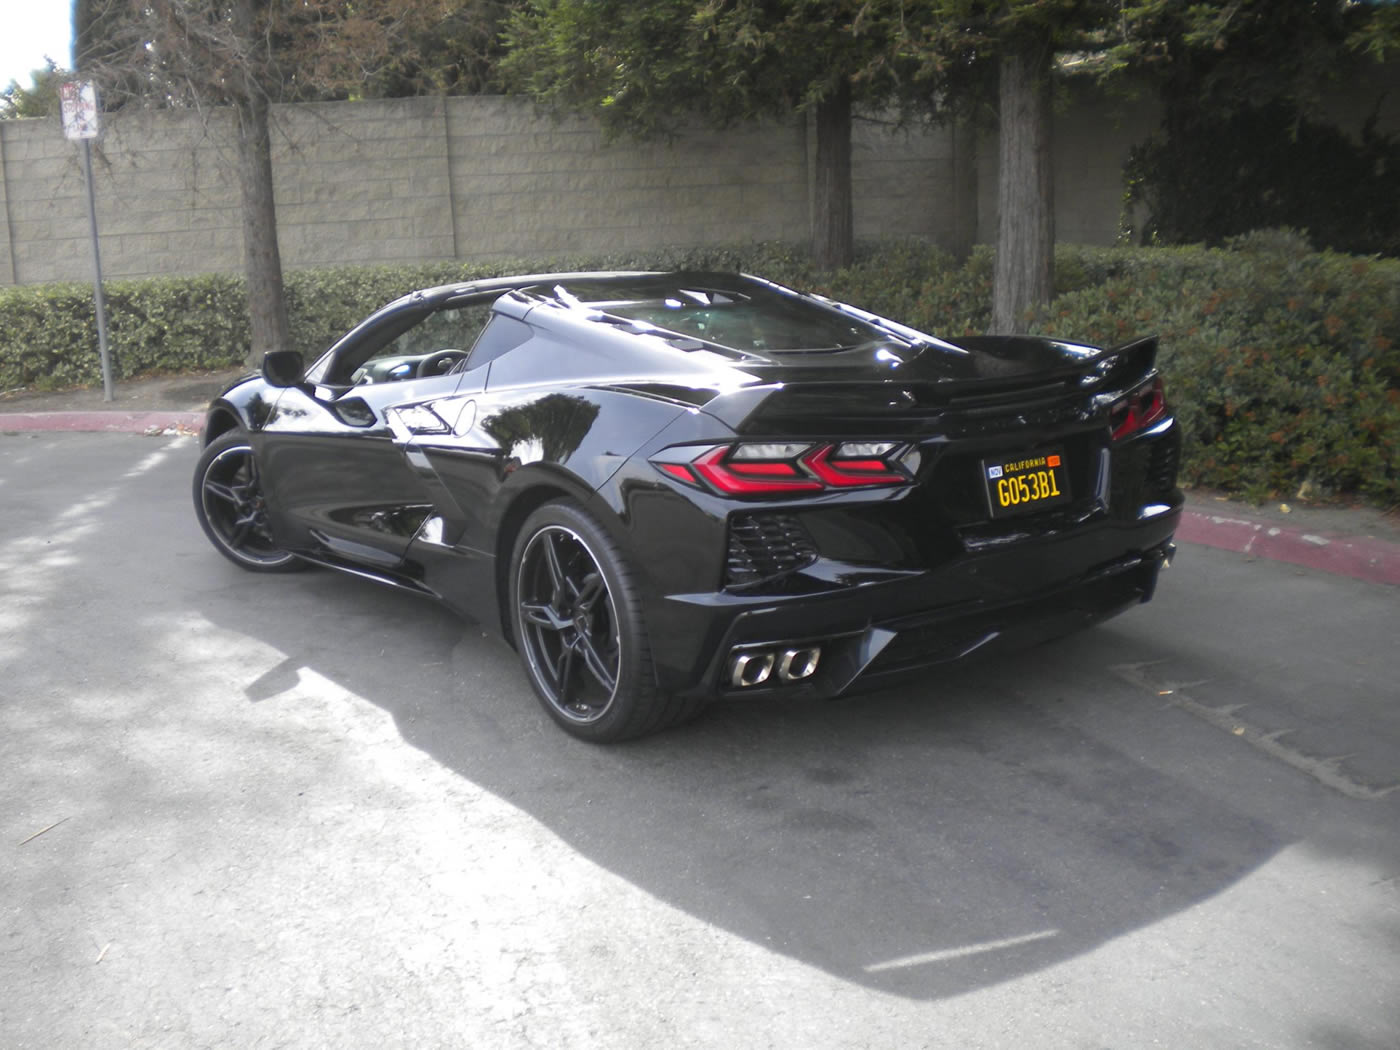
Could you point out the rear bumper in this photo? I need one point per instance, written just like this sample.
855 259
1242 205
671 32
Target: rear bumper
876 634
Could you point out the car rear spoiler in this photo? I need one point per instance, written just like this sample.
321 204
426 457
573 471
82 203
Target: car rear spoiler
875 404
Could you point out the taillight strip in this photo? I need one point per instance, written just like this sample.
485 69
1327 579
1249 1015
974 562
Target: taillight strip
850 473
1139 409
712 467
810 468
761 469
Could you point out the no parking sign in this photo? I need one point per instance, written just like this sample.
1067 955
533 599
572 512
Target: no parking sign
78 104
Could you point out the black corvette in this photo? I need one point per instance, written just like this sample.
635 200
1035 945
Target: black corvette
665 488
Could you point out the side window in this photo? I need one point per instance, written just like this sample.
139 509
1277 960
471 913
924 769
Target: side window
436 345
499 335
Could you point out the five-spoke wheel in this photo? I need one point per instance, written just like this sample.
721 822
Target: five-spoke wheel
578 624
569 623
229 502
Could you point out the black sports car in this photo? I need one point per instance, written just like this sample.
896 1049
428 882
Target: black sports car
668 487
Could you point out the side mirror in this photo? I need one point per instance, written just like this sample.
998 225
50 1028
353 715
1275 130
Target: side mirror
284 368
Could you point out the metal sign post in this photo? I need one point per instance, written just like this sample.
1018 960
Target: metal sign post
78 103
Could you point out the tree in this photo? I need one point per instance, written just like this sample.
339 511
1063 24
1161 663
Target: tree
642 69
1244 142
246 55
1229 55
1006 54
645 69
458 54
40 99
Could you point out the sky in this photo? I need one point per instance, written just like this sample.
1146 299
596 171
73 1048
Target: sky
33 29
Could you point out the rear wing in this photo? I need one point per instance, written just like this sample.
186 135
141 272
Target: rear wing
913 403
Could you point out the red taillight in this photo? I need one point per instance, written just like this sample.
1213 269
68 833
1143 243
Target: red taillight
751 477
850 473
752 469
1138 410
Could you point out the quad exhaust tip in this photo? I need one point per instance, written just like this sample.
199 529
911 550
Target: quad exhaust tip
759 666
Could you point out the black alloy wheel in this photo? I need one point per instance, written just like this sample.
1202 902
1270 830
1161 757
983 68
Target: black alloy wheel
229 502
579 628
569 628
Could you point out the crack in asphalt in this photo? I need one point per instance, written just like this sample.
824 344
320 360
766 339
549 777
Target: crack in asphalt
1328 771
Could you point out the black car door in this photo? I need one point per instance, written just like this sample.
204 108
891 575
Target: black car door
340 478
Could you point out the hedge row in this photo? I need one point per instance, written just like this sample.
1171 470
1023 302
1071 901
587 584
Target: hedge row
1283 363
48 333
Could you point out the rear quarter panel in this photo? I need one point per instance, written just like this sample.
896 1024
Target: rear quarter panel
524 448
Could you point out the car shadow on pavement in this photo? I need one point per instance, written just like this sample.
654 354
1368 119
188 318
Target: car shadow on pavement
924 842
200 772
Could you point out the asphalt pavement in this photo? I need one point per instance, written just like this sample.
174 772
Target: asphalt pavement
302 810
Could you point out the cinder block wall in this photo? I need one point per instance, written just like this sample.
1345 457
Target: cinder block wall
1091 143
484 177
362 182
523 184
166 199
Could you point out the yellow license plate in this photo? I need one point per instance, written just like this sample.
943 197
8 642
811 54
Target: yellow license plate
1022 483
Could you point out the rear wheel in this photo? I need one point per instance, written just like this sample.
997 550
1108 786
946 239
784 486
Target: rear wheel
232 510
580 629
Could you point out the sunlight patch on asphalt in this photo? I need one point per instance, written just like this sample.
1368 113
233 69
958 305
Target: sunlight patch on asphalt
28 562
152 461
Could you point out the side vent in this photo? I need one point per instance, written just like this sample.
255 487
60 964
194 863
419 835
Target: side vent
1162 465
765 546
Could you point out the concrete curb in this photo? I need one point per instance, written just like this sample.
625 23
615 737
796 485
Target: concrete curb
104 422
1360 557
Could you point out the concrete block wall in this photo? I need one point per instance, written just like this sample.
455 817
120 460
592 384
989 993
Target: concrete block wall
363 182
523 184
7 258
425 179
165 194
902 181
1091 144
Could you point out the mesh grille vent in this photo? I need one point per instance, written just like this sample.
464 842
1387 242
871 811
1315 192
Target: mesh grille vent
762 546
1162 467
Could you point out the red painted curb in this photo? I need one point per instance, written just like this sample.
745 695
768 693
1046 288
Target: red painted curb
1360 557
104 421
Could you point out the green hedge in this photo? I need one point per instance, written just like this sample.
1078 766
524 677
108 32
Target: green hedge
48 333
1283 363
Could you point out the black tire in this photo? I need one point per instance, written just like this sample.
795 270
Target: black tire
579 627
228 501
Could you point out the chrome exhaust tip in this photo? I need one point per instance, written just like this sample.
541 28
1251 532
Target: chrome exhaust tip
797 664
749 669
779 665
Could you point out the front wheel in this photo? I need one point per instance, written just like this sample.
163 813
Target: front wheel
232 510
578 624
